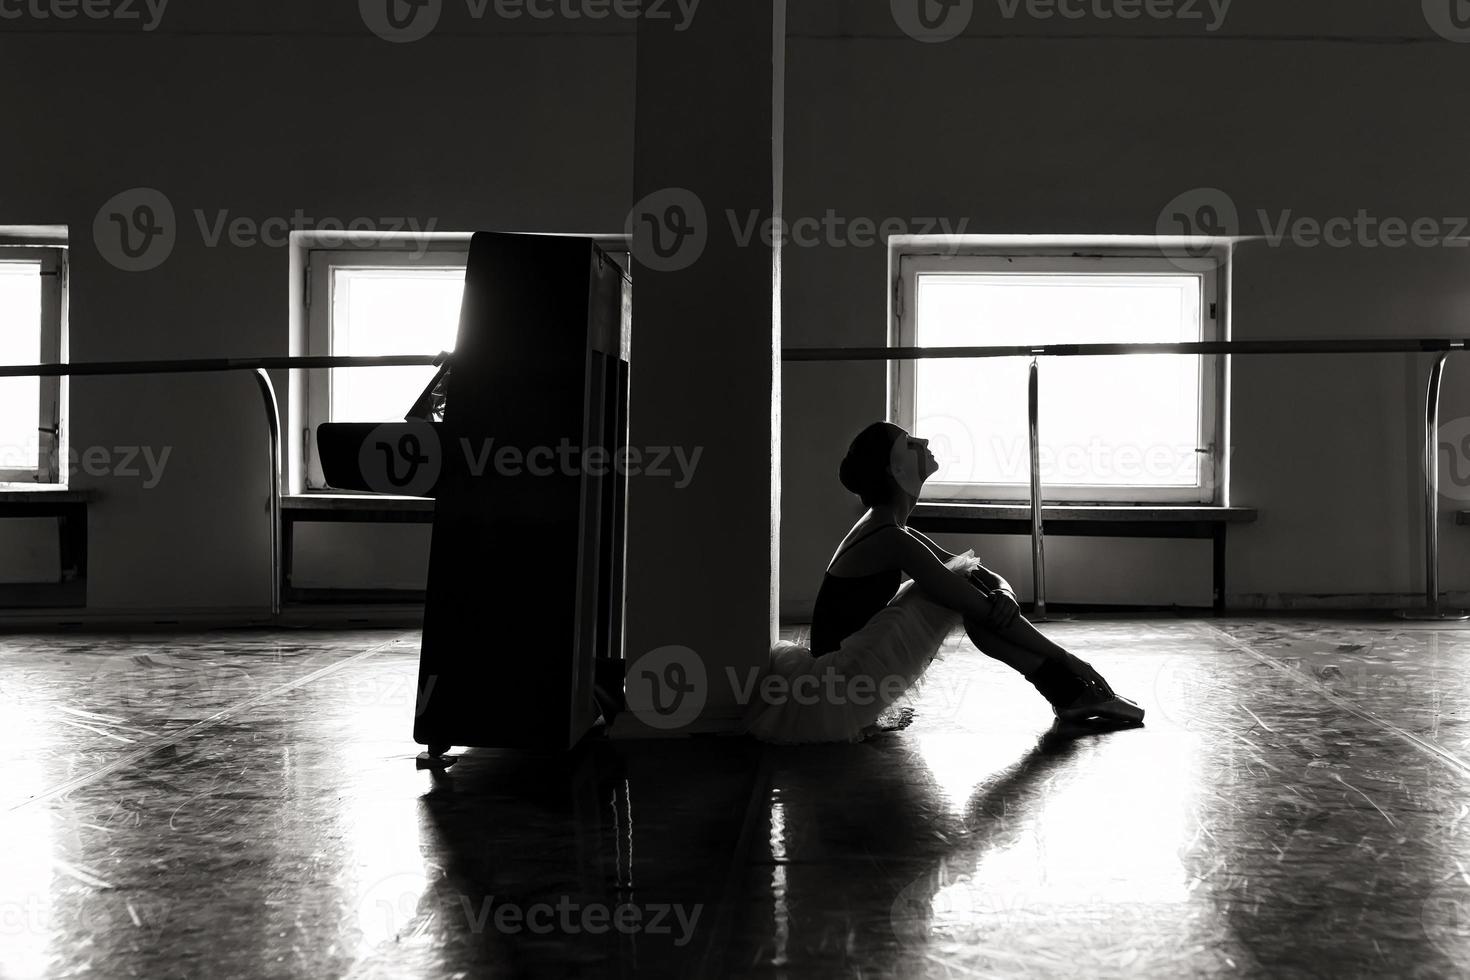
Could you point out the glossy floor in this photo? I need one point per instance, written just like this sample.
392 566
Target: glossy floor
246 804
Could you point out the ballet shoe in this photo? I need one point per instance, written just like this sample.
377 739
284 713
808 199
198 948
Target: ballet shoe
1103 706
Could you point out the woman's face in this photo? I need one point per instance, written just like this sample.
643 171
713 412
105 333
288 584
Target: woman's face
911 463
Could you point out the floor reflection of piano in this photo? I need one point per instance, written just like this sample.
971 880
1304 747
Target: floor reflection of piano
524 609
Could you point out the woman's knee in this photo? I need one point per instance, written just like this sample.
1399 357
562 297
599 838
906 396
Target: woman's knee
977 627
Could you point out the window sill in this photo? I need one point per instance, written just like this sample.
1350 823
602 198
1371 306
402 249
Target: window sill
47 493
1120 513
356 502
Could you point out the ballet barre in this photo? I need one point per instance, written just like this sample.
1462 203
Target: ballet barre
1433 610
260 368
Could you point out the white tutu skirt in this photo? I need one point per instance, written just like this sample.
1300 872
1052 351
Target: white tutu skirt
845 695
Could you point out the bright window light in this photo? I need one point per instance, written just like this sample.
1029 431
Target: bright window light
20 343
1129 428
384 311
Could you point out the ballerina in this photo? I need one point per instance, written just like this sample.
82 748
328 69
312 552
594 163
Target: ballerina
873 634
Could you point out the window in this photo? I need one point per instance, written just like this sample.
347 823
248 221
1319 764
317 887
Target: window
1124 429
31 424
364 303
376 301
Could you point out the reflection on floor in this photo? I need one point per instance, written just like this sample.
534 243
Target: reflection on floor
246 804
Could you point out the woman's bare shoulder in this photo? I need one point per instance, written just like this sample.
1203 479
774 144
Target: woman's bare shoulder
870 548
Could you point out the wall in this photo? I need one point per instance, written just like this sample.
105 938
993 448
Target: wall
1322 108
483 124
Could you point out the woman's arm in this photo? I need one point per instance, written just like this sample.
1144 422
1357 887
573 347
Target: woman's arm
939 582
934 549
985 578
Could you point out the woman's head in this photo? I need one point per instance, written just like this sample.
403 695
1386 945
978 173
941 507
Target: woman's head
884 460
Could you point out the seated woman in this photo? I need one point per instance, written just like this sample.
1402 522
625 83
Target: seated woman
873 634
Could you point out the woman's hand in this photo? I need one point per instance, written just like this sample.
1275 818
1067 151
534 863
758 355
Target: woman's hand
1006 609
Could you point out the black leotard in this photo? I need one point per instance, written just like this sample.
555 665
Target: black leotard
845 604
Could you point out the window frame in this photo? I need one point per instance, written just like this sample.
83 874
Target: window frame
49 469
1212 270
320 301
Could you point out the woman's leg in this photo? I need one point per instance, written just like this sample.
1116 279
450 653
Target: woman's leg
1012 648
1063 679
1020 645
